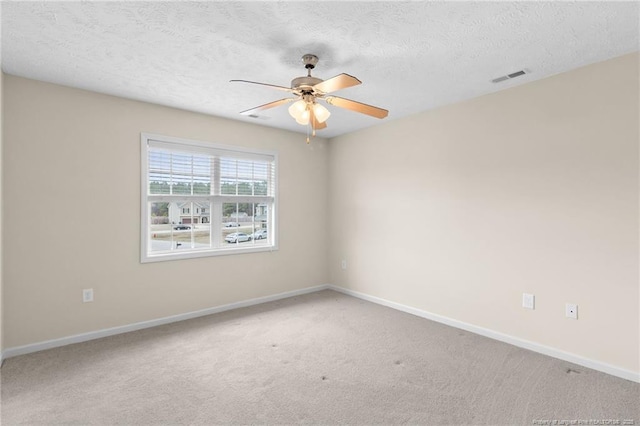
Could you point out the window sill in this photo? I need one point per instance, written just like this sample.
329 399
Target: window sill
195 254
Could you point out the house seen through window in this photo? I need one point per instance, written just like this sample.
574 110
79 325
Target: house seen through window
202 199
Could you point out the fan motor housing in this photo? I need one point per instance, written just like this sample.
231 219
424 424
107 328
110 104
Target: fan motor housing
305 83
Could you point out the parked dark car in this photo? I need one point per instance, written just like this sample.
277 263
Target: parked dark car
181 227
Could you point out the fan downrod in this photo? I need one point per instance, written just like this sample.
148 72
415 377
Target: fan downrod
305 84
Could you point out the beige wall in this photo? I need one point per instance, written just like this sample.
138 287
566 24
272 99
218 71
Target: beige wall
65 147
455 211
459 210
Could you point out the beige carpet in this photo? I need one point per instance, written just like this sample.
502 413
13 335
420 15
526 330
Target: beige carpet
322 358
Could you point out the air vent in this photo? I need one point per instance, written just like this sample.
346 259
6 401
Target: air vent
509 76
259 117
499 79
516 74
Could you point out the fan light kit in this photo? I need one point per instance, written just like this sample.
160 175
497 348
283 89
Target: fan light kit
308 90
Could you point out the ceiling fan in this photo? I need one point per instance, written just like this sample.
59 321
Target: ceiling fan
308 90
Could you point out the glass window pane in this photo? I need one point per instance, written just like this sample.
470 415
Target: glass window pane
229 210
244 215
228 176
159 172
245 187
260 178
260 187
236 223
259 234
245 177
159 227
201 225
201 175
181 168
182 223
228 186
260 224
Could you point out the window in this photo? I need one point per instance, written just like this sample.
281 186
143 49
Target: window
203 199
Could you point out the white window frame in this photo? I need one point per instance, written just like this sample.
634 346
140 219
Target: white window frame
214 215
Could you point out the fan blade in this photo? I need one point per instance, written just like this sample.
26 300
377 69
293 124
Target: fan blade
273 86
319 126
338 82
315 124
357 106
267 106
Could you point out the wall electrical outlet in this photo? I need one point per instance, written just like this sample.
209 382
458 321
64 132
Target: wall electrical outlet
343 264
87 295
571 311
528 301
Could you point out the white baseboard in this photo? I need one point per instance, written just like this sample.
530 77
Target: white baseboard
78 338
536 347
516 341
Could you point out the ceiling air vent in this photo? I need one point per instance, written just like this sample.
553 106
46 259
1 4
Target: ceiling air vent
259 117
509 76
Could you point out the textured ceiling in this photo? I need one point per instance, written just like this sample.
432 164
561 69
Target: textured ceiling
410 56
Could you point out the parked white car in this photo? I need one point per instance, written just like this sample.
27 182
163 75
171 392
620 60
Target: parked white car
237 237
259 234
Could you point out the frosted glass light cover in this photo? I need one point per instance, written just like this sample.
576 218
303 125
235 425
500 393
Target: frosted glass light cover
304 118
297 108
321 113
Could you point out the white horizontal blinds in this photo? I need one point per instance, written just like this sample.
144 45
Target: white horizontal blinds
201 148
160 166
201 174
176 173
246 178
181 174
198 171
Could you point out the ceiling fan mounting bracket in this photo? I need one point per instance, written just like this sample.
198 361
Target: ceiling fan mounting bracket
310 61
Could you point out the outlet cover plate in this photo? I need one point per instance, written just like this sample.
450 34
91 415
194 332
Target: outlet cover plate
528 301
87 295
571 311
